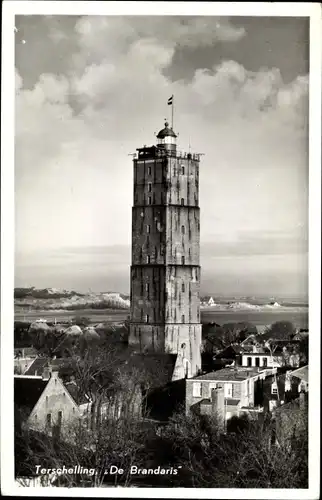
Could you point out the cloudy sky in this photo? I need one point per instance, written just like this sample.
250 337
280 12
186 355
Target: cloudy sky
90 90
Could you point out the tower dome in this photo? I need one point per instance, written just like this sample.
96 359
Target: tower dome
167 138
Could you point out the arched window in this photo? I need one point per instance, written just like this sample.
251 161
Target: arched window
182 201
149 200
182 260
149 170
182 169
182 229
148 259
183 287
149 187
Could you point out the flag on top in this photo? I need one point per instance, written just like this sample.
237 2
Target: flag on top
170 101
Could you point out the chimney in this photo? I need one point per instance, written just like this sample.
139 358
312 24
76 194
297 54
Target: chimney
46 373
54 372
302 399
218 406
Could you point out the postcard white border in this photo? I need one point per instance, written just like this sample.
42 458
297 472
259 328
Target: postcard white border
12 8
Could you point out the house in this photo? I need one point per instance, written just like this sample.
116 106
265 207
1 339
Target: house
231 354
284 387
301 334
44 404
299 378
265 357
24 357
240 391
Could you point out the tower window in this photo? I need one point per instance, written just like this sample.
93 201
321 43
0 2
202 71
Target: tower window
182 287
148 228
147 288
183 229
182 260
182 170
149 187
147 318
182 201
182 318
148 259
149 170
149 200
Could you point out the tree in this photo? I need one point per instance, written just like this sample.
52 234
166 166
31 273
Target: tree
81 321
245 458
280 330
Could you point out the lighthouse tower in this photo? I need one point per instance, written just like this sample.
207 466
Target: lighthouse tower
165 271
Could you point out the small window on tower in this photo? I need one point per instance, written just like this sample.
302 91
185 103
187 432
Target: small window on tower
182 260
149 170
148 259
183 229
148 228
149 187
149 200
182 318
147 318
147 287
182 170
182 201
182 287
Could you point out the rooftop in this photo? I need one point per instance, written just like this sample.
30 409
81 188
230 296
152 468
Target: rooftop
301 373
225 374
27 391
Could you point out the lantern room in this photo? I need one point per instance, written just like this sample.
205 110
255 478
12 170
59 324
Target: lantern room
167 139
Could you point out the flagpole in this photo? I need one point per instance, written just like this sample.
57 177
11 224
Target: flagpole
172 107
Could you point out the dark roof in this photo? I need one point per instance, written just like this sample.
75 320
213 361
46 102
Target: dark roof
75 392
231 350
232 402
301 373
37 367
27 391
27 351
166 132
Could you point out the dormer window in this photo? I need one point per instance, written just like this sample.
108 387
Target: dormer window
274 388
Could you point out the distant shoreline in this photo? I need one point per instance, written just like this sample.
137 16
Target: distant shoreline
208 315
